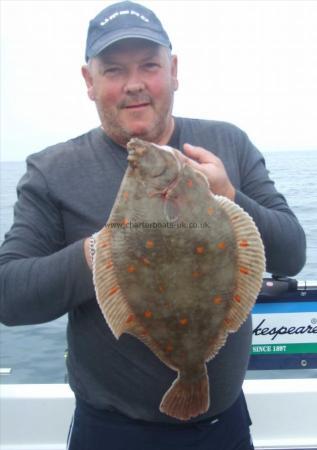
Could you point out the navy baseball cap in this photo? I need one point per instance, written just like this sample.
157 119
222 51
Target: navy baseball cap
121 21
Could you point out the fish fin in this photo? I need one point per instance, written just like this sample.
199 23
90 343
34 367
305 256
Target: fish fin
110 298
218 342
250 264
187 398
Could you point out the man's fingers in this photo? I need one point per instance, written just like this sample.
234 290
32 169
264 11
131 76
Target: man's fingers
199 154
209 164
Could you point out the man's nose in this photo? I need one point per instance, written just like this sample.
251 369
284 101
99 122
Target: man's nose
134 83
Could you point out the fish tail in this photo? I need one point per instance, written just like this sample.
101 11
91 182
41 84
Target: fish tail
187 397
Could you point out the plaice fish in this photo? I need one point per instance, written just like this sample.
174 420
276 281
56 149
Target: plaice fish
177 267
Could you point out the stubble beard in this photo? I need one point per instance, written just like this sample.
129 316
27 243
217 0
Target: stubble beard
121 134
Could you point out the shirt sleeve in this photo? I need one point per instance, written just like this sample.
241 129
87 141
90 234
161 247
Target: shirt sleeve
41 278
283 237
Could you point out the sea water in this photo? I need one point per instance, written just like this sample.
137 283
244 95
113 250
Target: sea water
35 354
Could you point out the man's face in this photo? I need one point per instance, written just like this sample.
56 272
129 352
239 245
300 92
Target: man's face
133 83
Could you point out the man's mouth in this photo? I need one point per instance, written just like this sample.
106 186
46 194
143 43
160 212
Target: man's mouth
137 106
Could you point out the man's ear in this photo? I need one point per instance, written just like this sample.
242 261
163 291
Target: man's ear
89 82
174 66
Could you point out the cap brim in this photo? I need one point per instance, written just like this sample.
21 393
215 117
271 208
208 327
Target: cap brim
105 41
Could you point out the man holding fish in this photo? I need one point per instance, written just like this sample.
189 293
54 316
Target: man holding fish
58 252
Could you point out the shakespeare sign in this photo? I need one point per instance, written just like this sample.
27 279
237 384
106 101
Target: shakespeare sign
284 328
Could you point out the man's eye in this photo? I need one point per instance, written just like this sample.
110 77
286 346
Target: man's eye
112 70
151 66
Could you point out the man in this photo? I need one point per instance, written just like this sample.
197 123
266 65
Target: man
67 194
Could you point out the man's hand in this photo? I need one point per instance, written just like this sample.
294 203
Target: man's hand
213 168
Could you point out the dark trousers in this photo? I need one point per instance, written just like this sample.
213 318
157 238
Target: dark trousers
92 429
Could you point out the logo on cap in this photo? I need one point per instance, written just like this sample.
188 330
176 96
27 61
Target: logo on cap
122 13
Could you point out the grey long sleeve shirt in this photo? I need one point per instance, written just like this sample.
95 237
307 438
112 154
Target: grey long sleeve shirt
67 194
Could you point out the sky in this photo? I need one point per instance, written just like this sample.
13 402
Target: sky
252 63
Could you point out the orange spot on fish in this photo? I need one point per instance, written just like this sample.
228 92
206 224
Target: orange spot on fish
148 314
149 244
190 183
113 290
196 274
244 271
200 250
161 288
217 299
183 321
210 211
237 298
109 265
244 243
130 318
169 348
126 195
221 245
227 322
104 245
146 261
125 221
131 269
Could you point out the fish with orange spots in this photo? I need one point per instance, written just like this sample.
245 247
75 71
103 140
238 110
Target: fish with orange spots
183 275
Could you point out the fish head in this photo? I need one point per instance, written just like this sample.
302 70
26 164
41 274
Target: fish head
158 166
